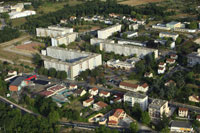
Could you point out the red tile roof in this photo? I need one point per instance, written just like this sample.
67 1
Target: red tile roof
94 89
118 112
144 85
72 85
128 84
104 92
55 88
46 93
161 68
102 104
89 100
161 63
112 122
198 116
183 109
116 99
170 60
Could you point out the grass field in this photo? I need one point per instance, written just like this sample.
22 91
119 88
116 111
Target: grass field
18 22
52 7
138 2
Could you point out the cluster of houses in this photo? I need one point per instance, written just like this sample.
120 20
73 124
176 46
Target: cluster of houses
170 61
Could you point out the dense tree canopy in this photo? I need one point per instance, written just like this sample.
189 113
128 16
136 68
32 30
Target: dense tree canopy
8 34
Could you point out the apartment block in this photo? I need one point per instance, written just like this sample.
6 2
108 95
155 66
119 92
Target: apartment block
71 61
157 107
133 97
107 32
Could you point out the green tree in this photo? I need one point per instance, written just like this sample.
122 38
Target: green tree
165 130
63 75
52 72
53 116
134 127
37 60
178 40
145 118
193 25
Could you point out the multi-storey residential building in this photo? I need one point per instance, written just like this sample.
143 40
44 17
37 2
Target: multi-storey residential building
117 115
105 33
173 25
133 97
157 107
70 61
194 58
128 50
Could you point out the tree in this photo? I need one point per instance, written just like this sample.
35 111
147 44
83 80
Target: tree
53 116
63 75
137 111
145 118
193 25
134 127
178 40
52 72
165 130
37 60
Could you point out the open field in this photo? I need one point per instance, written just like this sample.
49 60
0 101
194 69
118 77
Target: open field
138 2
52 7
18 22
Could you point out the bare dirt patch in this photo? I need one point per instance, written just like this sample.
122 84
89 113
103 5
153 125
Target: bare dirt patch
31 47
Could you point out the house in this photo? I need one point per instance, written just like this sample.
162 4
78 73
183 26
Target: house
79 92
161 70
157 107
53 90
72 18
73 86
88 102
183 112
133 97
181 126
162 64
128 86
117 115
12 73
148 75
104 94
198 118
143 87
170 61
99 105
194 98
18 84
94 91
174 56
170 82
117 100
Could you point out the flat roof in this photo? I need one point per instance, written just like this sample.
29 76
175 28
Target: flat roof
173 22
110 27
183 124
135 95
157 103
18 81
169 33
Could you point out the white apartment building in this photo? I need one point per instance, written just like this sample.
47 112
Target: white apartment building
194 58
71 61
14 15
128 50
66 39
105 33
97 41
174 36
157 107
133 97
183 112
52 31
133 27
